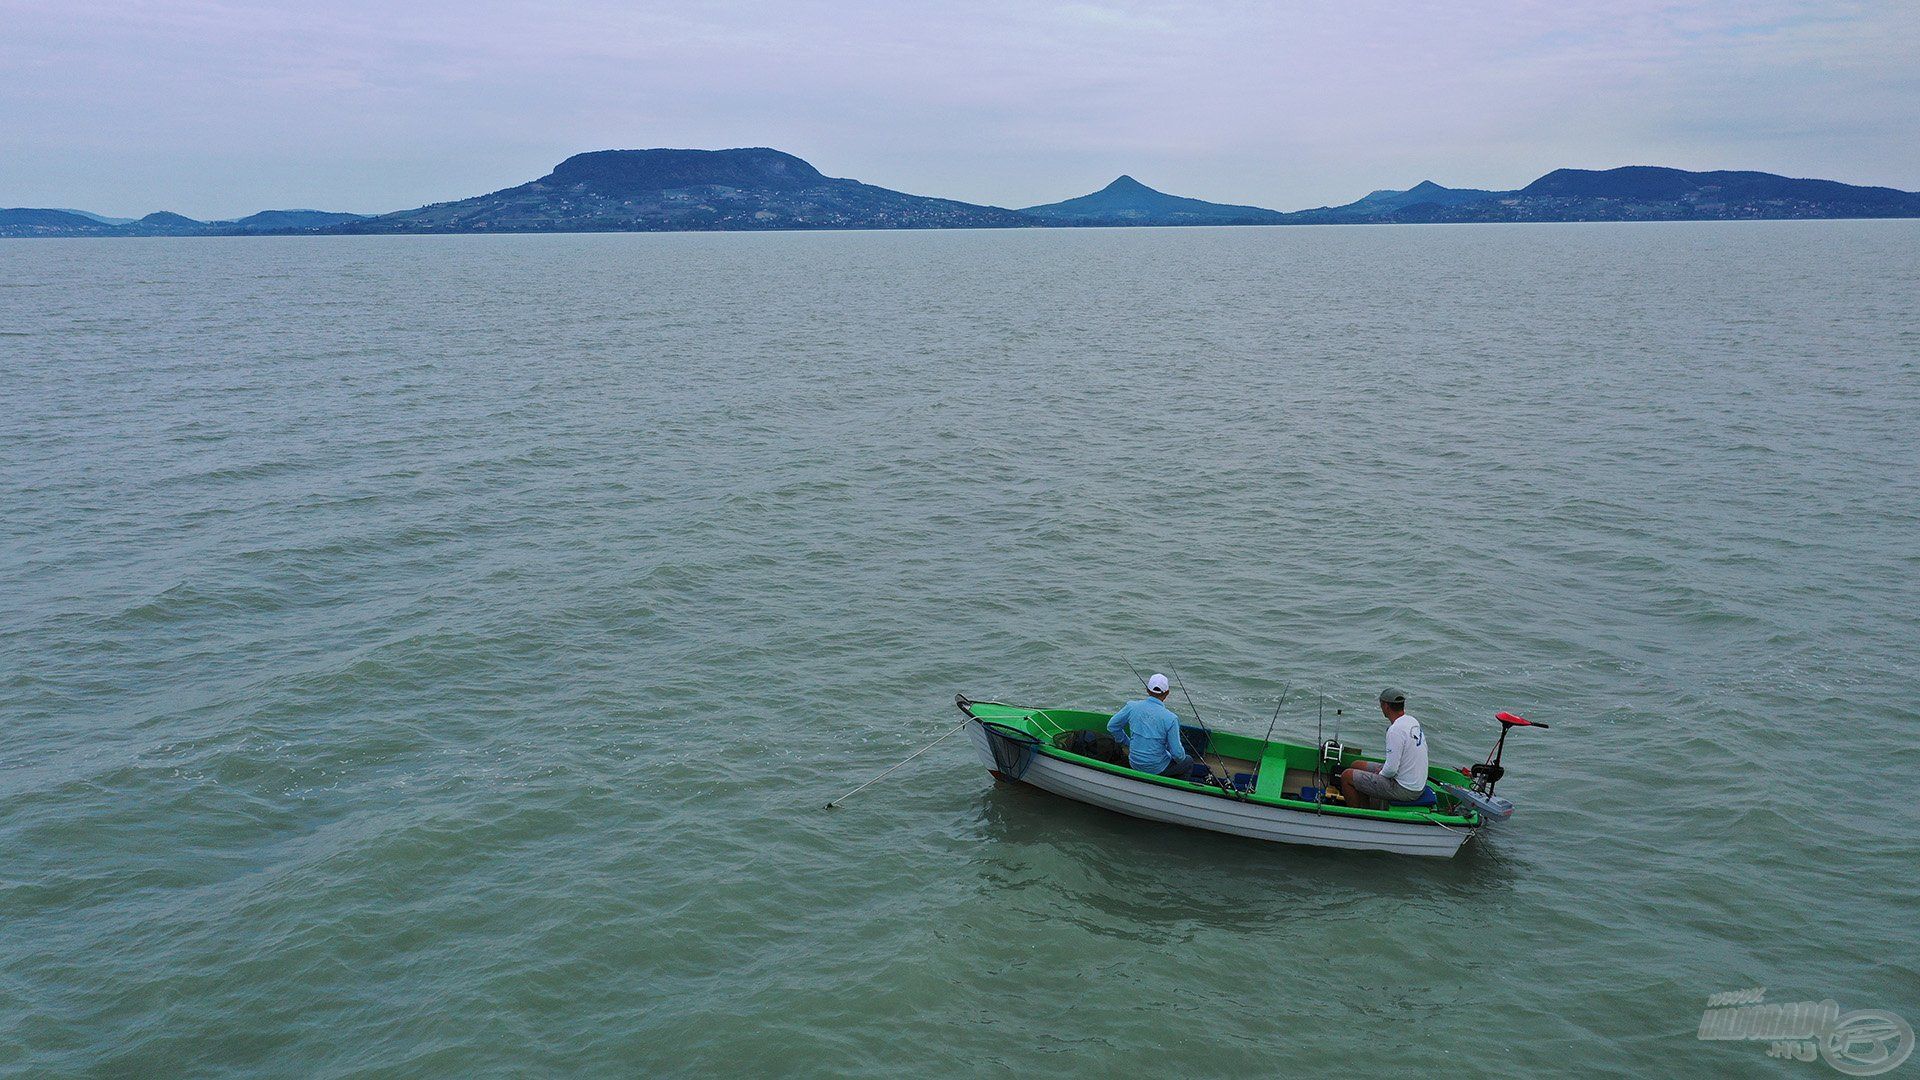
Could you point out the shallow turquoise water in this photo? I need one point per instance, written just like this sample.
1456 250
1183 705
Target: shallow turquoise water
429 656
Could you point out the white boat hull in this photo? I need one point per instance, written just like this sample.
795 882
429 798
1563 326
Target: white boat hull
1197 810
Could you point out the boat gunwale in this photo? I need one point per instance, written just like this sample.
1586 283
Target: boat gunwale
1420 817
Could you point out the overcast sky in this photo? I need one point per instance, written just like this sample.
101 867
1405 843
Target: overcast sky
222 108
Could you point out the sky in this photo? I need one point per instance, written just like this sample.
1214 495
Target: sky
221 108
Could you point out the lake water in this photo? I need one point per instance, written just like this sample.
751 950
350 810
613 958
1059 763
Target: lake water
430 656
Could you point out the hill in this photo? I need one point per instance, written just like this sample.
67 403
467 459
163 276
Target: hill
660 190
1645 192
167 223
1127 201
1638 193
1383 205
101 218
34 221
287 221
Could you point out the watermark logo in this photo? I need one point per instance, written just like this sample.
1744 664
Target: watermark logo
1865 1042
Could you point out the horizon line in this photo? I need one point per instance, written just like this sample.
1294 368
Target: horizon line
995 206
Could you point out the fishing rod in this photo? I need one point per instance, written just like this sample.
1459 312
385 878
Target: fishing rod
1189 697
1339 748
1196 719
1320 748
1320 774
1266 741
1268 737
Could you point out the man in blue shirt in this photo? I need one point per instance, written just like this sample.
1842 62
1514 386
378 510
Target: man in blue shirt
1151 733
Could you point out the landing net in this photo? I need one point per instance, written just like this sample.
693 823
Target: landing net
1012 748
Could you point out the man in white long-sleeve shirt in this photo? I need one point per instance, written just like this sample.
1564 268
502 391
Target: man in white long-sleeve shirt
1402 778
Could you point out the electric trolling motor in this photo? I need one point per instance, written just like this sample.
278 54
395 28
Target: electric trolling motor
1486 774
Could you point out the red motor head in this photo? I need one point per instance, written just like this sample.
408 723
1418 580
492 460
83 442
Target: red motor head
1511 720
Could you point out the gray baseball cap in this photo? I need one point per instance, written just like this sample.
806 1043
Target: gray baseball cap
1390 696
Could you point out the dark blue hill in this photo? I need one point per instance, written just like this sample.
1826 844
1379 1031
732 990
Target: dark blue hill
1127 201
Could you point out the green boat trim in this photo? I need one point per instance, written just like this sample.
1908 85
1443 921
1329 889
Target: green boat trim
1277 762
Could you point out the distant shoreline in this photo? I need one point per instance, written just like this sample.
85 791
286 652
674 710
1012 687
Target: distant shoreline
759 189
311 235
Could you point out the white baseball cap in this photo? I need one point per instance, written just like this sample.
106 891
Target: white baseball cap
1157 683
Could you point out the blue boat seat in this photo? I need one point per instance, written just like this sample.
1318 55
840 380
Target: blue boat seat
1427 798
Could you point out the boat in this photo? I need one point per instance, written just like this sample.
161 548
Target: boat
1266 789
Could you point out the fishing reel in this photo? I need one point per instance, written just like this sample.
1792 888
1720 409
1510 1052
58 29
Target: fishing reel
1226 785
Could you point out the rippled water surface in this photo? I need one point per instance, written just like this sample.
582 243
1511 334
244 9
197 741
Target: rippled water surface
430 656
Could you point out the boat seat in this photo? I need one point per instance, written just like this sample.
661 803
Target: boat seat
1427 798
